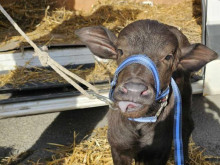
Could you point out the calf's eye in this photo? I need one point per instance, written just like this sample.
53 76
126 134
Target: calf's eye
168 57
120 52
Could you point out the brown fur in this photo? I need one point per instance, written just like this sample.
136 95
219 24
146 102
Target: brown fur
147 143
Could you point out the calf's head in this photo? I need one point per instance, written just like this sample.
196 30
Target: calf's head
165 45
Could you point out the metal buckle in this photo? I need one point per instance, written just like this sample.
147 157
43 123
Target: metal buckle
163 104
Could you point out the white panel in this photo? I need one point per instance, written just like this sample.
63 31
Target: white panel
212 78
212 74
63 56
213 12
197 87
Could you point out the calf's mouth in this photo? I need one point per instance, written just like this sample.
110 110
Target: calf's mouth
132 109
128 106
134 97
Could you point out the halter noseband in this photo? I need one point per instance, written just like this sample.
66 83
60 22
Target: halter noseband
148 63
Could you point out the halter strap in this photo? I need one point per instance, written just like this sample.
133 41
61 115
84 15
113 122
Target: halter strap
147 62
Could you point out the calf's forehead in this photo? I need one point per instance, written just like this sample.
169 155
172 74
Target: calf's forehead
147 37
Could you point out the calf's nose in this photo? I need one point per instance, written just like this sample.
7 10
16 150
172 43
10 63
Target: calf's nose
134 89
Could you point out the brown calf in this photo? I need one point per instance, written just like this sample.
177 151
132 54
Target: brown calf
134 95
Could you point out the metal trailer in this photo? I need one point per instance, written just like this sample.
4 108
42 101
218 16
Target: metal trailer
47 97
211 38
46 102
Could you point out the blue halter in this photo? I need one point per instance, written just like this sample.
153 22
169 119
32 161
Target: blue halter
177 131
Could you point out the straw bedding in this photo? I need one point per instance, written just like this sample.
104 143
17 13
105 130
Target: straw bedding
21 75
47 25
96 150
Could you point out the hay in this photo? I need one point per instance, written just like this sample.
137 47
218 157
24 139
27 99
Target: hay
15 159
20 76
46 25
96 150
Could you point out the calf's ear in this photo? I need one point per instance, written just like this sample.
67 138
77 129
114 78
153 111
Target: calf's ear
195 56
99 40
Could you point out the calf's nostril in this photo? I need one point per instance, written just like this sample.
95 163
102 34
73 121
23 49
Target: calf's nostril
144 93
123 90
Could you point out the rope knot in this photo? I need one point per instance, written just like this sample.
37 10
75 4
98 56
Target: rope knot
43 57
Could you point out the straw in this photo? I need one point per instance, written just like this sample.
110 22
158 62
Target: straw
48 25
96 150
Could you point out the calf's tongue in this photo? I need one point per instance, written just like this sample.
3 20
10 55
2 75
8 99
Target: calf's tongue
125 105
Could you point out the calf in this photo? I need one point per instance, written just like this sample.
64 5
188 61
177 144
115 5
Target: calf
134 94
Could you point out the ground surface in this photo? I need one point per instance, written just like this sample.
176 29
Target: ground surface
206 115
32 133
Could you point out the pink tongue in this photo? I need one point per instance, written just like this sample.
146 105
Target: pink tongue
123 105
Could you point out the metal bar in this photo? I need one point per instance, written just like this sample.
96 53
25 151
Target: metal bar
66 56
62 104
48 106
43 96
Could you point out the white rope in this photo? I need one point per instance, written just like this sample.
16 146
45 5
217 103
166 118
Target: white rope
46 60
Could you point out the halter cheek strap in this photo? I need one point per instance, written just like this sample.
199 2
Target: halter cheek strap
177 130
